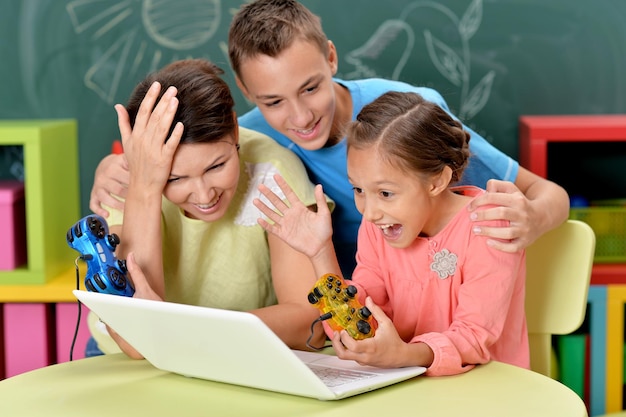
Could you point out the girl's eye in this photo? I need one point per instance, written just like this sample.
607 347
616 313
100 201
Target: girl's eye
357 190
272 103
171 180
386 194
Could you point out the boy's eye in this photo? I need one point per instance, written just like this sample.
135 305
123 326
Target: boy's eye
272 103
357 190
311 89
386 194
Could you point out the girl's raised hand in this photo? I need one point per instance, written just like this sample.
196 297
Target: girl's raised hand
303 229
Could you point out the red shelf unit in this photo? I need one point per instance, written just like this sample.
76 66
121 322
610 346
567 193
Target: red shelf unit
535 132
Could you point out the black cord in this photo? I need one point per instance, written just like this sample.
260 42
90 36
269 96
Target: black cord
317 320
80 305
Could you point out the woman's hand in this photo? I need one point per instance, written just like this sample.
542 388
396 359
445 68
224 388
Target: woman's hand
147 148
142 287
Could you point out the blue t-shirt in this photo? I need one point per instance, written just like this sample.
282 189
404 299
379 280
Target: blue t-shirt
328 166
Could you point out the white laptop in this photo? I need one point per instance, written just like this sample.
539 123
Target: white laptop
233 347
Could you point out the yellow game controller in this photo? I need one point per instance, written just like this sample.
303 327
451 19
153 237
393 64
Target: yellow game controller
340 308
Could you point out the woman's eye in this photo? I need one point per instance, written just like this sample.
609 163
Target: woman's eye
214 167
171 180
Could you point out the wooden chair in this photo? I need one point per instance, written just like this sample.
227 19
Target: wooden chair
558 272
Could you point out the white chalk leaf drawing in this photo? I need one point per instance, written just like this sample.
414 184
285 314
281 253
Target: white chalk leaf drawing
470 22
447 62
453 63
478 97
385 36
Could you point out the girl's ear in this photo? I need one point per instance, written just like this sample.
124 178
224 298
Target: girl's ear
440 181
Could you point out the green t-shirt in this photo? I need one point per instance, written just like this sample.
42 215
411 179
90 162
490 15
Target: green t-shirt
225 264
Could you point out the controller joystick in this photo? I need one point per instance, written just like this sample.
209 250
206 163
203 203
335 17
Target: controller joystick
105 273
338 302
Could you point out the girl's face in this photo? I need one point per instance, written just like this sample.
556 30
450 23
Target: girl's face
204 178
295 92
400 204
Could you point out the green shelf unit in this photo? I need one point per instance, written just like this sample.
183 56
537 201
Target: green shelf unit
51 192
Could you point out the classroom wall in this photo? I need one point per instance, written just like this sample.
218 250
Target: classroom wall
491 59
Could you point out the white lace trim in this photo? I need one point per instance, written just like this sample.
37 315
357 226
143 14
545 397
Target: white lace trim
261 173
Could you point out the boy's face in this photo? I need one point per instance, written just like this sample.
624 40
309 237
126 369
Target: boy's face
294 91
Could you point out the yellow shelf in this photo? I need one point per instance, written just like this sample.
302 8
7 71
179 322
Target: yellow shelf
56 290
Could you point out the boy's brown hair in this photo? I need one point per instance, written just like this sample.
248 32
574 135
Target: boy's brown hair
268 27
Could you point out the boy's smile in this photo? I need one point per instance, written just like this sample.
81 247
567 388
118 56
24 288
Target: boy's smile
296 94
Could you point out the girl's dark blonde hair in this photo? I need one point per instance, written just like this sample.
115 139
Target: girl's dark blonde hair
268 27
414 134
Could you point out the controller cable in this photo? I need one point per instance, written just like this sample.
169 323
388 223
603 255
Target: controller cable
321 318
80 305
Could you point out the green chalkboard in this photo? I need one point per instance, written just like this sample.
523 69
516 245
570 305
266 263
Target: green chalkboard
491 59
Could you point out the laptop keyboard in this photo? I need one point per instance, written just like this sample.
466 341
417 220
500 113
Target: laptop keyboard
333 377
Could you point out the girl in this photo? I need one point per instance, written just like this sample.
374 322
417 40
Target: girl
442 297
189 218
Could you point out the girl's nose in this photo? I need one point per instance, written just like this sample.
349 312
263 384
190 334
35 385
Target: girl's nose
370 211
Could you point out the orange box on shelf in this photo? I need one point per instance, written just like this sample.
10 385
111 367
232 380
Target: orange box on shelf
12 224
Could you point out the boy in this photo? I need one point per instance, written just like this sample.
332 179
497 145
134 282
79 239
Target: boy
285 65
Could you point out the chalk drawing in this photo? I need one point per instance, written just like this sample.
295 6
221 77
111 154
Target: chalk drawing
399 35
172 29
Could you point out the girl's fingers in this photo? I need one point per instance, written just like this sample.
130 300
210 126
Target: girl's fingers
276 201
267 211
287 190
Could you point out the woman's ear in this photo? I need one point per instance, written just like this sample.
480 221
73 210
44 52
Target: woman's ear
441 181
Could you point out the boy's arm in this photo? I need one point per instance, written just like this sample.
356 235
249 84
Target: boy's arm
110 179
533 206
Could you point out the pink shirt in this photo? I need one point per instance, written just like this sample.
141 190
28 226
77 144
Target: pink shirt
451 291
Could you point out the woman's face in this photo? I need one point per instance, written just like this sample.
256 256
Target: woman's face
204 178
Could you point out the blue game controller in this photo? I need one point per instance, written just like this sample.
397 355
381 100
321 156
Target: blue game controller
105 273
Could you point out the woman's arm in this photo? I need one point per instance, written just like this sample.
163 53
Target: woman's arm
149 159
293 277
